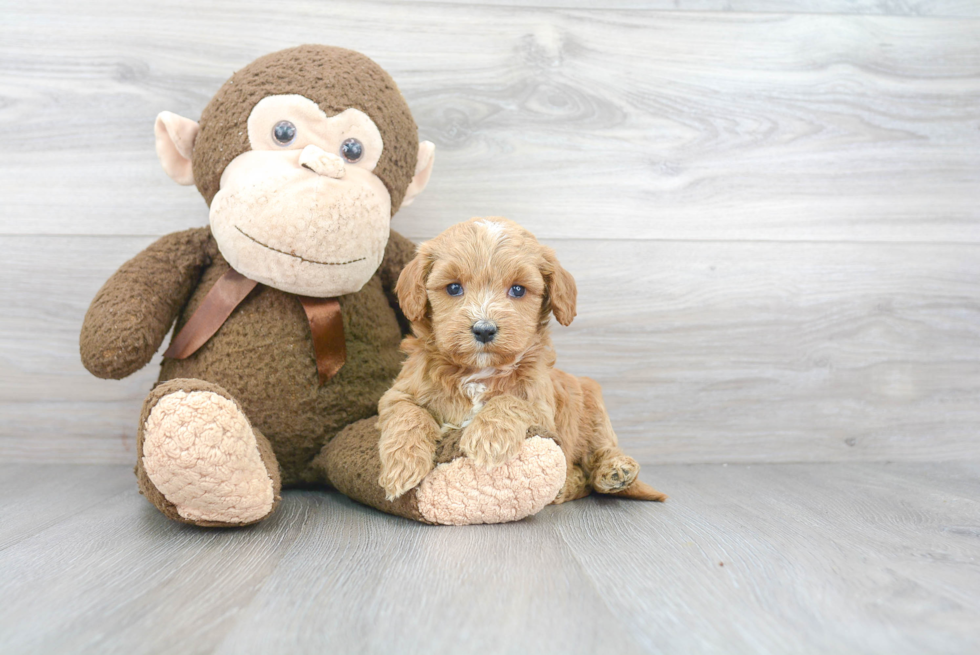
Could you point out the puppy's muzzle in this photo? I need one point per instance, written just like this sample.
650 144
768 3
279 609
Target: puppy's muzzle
484 331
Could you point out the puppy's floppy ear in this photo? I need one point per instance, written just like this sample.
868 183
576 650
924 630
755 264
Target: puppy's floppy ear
562 291
412 297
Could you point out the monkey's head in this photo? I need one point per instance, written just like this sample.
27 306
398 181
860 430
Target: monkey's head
303 156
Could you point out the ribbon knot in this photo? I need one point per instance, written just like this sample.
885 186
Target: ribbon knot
323 315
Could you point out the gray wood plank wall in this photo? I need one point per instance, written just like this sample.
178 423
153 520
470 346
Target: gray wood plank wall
772 208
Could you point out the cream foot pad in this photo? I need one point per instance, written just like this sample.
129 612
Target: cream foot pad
200 452
461 493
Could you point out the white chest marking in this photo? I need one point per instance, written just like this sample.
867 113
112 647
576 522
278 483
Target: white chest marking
474 388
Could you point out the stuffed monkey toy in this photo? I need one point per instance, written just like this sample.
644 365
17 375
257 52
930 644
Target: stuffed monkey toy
287 324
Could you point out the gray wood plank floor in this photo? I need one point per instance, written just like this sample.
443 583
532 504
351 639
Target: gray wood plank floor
773 558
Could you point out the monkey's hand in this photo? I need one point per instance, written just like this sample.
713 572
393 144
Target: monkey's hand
133 311
497 432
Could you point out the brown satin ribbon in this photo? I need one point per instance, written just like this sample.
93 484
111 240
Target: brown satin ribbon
327 328
222 299
323 314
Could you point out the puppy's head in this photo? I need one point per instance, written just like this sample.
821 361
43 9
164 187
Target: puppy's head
483 290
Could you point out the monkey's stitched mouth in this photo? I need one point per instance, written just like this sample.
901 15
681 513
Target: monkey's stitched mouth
299 257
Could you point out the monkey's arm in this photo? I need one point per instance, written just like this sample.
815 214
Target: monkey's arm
133 311
398 253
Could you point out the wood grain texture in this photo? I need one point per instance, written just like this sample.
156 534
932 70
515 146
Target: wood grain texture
788 203
116 578
834 558
712 352
667 125
942 8
791 559
37 497
399 579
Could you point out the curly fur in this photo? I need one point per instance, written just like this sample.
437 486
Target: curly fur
492 391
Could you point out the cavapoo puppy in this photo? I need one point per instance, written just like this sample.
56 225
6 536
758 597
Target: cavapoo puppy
479 296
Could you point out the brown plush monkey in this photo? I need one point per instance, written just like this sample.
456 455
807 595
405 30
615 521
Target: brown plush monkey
287 327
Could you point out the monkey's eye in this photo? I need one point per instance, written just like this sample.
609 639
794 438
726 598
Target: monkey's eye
284 133
455 289
517 291
352 150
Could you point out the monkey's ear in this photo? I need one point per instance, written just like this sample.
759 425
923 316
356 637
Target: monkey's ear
423 170
562 292
175 137
412 296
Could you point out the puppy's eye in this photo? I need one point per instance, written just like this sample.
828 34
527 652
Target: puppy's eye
284 133
517 291
455 289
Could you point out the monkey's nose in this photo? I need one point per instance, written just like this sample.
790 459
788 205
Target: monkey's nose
321 162
484 331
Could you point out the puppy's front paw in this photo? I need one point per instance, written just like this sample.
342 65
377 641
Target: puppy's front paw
402 470
615 474
491 442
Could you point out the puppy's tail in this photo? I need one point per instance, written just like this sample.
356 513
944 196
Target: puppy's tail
640 491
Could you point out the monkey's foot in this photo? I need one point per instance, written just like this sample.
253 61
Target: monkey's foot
615 474
200 452
461 492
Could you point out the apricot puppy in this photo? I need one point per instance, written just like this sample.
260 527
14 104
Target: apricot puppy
480 296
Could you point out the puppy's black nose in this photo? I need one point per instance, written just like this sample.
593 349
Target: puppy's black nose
484 331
